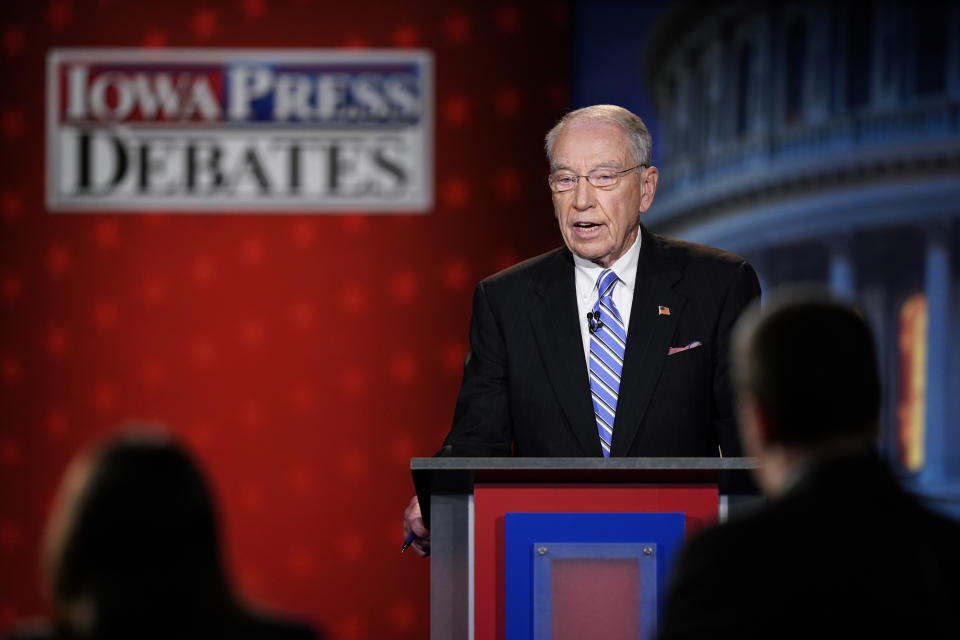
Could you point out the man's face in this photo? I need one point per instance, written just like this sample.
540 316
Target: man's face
599 224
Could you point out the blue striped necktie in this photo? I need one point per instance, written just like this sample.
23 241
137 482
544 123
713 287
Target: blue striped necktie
608 341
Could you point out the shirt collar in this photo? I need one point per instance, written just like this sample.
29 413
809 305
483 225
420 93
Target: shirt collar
625 267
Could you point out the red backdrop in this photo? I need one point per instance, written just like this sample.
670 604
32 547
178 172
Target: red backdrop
304 359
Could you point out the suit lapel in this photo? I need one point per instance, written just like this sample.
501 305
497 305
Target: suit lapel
648 339
556 327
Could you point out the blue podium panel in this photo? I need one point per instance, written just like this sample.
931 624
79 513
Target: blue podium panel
551 557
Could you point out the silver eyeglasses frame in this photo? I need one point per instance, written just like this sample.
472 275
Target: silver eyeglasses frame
593 178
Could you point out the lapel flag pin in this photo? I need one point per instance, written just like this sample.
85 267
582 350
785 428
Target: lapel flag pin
663 311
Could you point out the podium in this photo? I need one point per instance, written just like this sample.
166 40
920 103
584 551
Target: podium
484 513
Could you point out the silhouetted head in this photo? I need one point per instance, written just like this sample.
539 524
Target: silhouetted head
133 541
807 365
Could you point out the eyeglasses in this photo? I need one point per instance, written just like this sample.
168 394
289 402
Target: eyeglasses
601 178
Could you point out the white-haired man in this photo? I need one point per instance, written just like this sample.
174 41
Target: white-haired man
614 344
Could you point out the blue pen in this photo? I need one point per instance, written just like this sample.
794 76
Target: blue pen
406 543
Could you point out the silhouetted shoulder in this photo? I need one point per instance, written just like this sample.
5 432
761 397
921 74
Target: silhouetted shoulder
247 626
260 626
32 630
817 545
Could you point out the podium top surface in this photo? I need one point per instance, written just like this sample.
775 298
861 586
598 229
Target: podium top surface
458 475
579 464
453 475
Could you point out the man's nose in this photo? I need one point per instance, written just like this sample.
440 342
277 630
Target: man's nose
582 195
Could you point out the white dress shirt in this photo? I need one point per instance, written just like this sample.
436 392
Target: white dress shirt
586 275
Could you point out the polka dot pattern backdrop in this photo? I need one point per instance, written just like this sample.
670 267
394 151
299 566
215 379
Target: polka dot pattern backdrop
304 359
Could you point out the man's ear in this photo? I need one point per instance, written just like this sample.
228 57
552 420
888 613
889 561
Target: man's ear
765 425
650 177
756 428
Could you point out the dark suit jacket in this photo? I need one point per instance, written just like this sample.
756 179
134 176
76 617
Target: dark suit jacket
845 553
525 380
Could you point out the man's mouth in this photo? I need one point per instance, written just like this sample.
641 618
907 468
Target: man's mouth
585 230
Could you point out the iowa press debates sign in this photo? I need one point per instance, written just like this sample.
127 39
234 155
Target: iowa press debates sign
239 129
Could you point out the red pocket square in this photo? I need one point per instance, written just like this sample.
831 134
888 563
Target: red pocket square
692 345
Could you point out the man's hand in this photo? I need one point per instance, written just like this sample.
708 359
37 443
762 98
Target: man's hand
413 521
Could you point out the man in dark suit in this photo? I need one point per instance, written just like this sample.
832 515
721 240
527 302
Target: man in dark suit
839 550
614 344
